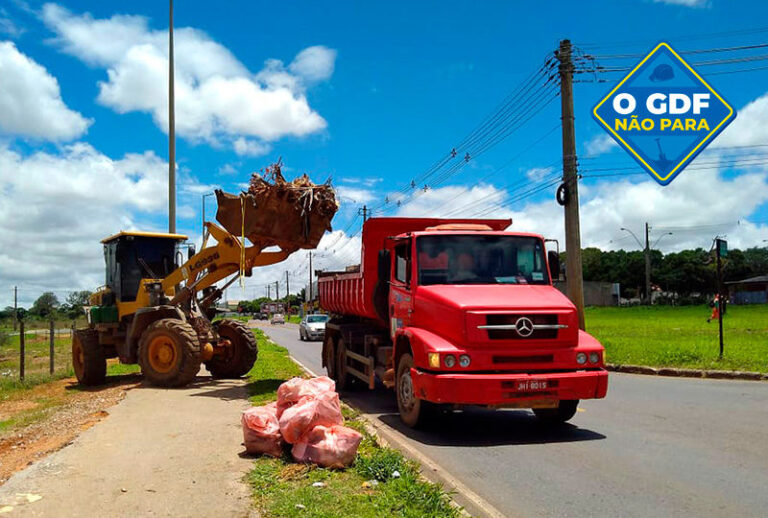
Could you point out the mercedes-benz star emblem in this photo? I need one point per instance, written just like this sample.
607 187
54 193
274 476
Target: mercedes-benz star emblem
524 326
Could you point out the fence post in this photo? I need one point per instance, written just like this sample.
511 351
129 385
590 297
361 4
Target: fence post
21 350
52 336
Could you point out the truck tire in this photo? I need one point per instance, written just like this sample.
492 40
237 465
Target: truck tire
344 380
242 354
169 353
88 360
414 412
329 356
554 416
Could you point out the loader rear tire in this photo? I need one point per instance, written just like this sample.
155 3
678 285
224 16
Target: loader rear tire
240 356
88 359
169 353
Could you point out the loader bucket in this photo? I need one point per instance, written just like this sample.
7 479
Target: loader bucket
291 215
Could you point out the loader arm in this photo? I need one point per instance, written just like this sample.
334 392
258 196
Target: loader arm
218 262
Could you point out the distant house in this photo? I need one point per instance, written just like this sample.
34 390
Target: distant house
749 291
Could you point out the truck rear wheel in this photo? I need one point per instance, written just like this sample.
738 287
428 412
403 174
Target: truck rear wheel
169 353
414 412
88 360
554 416
329 356
240 356
343 379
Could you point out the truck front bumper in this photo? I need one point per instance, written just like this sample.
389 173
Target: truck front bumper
501 389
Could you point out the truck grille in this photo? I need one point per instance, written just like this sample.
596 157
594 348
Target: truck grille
506 327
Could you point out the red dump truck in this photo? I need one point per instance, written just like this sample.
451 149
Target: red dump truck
454 312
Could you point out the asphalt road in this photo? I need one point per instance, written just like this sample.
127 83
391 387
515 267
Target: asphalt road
655 446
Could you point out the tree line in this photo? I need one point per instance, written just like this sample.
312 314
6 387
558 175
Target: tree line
688 275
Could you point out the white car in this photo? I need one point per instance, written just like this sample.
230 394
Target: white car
277 318
312 327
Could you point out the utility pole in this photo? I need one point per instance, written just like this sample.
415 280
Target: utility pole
721 249
15 306
310 276
647 265
363 212
277 290
269 291
287 286
573 272
171 129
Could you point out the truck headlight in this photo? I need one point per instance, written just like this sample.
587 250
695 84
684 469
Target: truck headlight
434 360
581 358
449 360
594 357
464 360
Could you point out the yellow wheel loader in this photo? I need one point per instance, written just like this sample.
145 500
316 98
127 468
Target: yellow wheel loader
158 314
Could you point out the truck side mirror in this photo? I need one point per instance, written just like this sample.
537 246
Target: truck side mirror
384 265
553 258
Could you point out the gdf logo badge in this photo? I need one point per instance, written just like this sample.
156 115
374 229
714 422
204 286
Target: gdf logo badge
663 113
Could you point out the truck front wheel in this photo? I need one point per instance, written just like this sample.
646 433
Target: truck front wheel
413 411
329 356
554 416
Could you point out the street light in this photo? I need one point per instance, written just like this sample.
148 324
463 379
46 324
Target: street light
657 241
633 235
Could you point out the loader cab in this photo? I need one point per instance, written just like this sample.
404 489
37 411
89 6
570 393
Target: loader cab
132 256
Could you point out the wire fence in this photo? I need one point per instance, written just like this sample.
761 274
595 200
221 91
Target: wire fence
28 353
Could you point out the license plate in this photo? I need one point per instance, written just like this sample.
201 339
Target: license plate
531 385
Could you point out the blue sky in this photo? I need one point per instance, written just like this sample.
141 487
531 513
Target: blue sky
384 91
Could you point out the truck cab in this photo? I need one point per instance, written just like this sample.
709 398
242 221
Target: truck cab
470 317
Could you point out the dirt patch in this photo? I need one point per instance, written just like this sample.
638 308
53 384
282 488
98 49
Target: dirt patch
58 412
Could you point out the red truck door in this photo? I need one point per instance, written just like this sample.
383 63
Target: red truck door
400 299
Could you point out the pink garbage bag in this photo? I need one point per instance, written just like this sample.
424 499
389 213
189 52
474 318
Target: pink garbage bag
293 390
323 409
329 447
261 430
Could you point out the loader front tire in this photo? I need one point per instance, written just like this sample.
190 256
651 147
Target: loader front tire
169 353
240 356
88 359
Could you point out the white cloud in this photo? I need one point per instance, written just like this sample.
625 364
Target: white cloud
698 199
600 144
354 194
749 128
248 147
217 99
30 100
68 202
227 170
686 3
368 182
538 173
9 27
314 63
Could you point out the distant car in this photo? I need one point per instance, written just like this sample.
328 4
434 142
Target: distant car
262 316
312 327
277 318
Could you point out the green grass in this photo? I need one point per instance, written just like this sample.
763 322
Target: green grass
282 488
293 319
664 336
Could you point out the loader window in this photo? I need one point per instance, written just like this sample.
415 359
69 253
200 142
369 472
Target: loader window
481 259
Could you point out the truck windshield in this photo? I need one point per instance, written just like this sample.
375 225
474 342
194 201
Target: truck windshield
481 259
